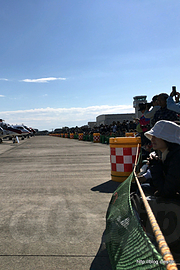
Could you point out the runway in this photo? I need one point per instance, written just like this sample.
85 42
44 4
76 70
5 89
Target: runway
54 194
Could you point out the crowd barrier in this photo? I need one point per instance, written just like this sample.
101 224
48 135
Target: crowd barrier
122 156
71 135
95 137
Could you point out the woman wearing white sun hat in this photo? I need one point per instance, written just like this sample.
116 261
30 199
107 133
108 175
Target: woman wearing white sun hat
164 174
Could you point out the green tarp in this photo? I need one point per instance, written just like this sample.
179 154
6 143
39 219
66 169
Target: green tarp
127 243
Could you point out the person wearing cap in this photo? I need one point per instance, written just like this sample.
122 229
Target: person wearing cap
163 174
163 113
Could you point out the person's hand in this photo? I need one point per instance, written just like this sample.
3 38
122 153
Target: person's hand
153 159
141 179
177 97
156 193
172 94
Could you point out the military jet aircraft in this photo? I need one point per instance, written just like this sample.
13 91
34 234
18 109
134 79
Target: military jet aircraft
11 131
24 131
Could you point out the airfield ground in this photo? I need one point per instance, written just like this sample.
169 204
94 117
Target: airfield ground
54 194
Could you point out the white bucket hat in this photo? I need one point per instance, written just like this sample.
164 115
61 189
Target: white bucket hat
166 130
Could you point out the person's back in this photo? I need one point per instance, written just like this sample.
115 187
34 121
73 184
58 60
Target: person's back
149 113
163 113
172 172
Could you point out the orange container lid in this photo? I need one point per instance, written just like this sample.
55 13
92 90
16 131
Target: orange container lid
125 141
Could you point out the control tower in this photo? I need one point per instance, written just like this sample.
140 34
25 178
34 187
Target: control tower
137 100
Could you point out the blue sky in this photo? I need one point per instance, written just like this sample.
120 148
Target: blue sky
64 62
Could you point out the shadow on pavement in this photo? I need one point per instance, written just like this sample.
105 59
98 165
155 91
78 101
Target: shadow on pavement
107 187
101 261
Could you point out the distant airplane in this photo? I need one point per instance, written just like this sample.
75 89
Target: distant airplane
8 131
31 130
12 131
1 134
24 131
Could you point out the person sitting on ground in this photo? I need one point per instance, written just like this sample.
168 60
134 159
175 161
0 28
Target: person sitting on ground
124 126
163 175
163 113
132 126
171 104
150 113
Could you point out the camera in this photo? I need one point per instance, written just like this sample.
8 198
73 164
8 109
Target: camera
174 90
149 105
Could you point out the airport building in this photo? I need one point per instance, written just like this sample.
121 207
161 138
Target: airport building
137 100
107 119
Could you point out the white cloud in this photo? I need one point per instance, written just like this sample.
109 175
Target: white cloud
48 118
43 80
2 96
3 79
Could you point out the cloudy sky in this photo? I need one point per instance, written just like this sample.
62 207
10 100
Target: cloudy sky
64 62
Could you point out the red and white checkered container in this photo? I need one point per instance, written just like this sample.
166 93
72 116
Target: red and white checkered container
71 135
122 156
96 137
80 136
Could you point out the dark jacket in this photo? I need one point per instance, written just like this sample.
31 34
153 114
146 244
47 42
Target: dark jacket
166 176
164 114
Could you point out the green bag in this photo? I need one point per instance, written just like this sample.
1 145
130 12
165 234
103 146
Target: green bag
138 128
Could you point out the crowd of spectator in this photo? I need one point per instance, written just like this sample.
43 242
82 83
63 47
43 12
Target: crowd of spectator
116 128
162 107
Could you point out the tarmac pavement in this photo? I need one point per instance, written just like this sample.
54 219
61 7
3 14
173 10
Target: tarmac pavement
54 194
